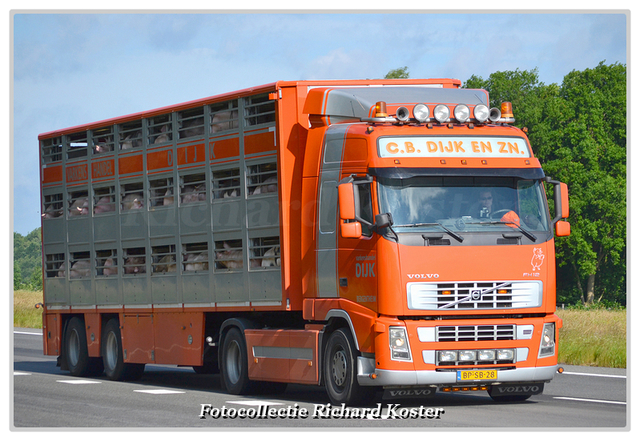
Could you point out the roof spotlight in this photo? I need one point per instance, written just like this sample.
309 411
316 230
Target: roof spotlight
421 112
481 113
441 113
461 113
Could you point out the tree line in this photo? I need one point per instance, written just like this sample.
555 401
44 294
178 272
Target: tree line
578 132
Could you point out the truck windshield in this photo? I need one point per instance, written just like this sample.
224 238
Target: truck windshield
464 204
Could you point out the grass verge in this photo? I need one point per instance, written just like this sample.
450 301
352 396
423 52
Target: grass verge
595 337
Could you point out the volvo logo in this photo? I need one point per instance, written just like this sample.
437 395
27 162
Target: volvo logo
476 294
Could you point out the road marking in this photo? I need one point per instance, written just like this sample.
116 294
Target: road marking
593 375
27 333
256 403
159 391
591 401
79 381
22 373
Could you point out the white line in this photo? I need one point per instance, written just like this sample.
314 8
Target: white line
591 401
593 375
256 403
22 373
159 391
27 333
78 381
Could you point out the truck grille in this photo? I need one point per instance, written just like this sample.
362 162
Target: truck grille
474 295
475 333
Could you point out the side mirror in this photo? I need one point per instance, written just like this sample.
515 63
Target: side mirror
347 201
351 230
563 228
564 198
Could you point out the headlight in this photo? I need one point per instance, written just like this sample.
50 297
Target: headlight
505 354
467 355
486 355
399 344
548 340
447 356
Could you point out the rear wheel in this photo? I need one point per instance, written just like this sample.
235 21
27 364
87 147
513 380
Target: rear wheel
340 371
76 351
234 365
114 366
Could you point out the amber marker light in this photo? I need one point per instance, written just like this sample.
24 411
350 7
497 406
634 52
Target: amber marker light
381 110
506 110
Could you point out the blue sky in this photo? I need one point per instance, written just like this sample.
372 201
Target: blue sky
70 69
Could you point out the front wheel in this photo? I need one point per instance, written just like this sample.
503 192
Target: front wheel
112 355
234 365
340 370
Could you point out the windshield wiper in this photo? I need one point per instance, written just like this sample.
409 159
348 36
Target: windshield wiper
525 232
433 224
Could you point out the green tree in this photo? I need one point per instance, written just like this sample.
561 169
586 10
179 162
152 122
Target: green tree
401 72
27 259
578 131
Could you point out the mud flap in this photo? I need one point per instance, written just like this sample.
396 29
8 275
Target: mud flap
406 392
516 389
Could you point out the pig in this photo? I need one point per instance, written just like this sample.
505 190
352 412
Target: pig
104 205
166 264
270 259
135 265
81 268
51 213
223 121
168 197
163 137
110 267
192 127
196 262
132 140
132 201
79 207
270 185
229 258
193 194
61 270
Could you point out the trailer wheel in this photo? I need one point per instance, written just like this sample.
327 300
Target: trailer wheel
114 366
234 365
76 352
340 370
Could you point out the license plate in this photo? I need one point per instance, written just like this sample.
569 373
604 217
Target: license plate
477 375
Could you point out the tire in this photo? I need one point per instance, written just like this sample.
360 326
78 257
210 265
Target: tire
339 369
113 359
76 352
234 365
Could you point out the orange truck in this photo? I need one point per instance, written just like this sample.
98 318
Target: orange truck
378 235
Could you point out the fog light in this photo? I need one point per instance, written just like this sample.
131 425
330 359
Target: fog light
467 355
486 355
504 354
447 356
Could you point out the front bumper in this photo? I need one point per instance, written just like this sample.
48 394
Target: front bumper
368 375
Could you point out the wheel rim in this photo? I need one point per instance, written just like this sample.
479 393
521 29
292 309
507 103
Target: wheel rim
339 368
233 362
74 347
111 351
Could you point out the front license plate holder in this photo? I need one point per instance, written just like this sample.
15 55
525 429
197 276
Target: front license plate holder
477 375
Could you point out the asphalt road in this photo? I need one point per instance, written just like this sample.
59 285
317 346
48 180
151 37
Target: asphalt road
45 397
